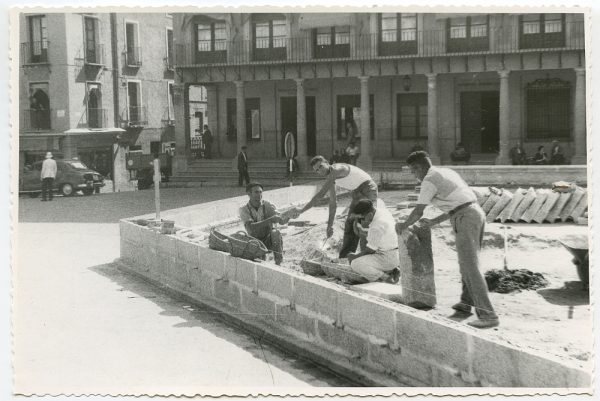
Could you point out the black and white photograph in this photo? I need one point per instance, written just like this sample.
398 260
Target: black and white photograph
356 201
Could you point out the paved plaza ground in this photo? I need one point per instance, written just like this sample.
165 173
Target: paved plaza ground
80 324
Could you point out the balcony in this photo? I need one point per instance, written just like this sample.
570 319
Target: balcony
134 116
428 43
133 57
35 120
34 52
93 54
94 118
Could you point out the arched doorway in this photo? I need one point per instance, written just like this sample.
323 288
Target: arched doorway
94 107
40 110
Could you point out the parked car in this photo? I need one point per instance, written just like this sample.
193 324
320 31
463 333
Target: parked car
71 176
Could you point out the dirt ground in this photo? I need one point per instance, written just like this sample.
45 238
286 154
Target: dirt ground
555 320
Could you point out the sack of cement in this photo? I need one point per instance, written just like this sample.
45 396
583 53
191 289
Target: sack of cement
558 206
572 203
563 186
482 194
508 211
535 206
490 202
416 267
525 203
580 208
499 206
551 199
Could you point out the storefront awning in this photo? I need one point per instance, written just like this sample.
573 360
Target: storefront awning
320 20
94 131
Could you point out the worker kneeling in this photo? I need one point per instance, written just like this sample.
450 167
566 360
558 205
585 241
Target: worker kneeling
378 260
258 216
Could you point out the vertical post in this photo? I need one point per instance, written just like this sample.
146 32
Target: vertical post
181 143
301 122
212 112
432 124
157 188
579 126
504 123
240 115
365 161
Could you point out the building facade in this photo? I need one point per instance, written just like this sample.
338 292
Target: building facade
96 86
388 81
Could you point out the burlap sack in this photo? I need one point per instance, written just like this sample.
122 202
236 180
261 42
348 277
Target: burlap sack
540 198
508 211
580 208
499 206
558 206
525 203
490 202
572 203
551 199
416 267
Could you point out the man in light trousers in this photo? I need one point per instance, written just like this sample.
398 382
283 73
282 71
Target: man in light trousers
445 189
47 176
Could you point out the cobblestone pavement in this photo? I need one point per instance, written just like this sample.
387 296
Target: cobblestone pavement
83 326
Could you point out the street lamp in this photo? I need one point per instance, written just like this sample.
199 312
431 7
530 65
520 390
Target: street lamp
406 83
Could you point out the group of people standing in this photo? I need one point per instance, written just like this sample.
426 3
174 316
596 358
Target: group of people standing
371 225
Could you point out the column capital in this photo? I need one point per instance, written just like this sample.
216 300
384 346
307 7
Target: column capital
431 75
579 70
504 74
239 84
364 78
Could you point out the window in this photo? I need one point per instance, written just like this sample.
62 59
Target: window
169 61
211 41
93 50
348 115
270 39
542 30
397 33
467 34
252 117
170 107
548 109
411 114
38 115
136 113
38 39
332 42
95 113
132 48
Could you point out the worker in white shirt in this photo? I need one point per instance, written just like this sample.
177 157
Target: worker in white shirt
379 260
47 176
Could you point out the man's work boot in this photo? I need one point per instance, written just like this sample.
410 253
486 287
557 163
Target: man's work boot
484 323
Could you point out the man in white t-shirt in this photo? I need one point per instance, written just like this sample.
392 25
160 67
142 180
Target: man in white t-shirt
379 260
445 189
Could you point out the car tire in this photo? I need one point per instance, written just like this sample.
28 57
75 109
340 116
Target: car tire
67 190
87 191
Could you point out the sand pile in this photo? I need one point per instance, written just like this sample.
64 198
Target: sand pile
506 280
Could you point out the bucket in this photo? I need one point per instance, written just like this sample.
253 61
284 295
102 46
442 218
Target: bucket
167 227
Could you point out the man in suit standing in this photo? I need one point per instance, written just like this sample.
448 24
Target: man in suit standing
47 176
207 139
242 163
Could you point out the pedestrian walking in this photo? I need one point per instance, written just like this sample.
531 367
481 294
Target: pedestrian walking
242 162
348 177
445 189
207 139
47 177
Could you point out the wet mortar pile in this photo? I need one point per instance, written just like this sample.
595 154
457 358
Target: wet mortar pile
538 296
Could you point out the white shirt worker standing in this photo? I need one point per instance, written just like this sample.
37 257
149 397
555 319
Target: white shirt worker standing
47 176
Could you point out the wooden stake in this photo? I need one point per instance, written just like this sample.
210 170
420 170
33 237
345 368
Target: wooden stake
157 187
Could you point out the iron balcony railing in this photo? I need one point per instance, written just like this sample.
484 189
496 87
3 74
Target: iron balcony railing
133 56
134 116
429 43
35 120
94 118
34 52
93 54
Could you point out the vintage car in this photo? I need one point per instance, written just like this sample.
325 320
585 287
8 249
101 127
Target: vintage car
71 176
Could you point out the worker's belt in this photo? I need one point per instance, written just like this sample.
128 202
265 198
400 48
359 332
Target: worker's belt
459 207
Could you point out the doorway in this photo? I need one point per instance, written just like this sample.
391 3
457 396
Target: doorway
480 121
288 123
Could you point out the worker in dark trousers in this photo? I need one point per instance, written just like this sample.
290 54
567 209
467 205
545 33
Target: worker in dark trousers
242 163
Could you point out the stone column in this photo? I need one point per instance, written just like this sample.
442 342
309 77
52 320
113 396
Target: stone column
301 124
504 123
365 161
241 114
579 126
213 118
181 142
432 119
